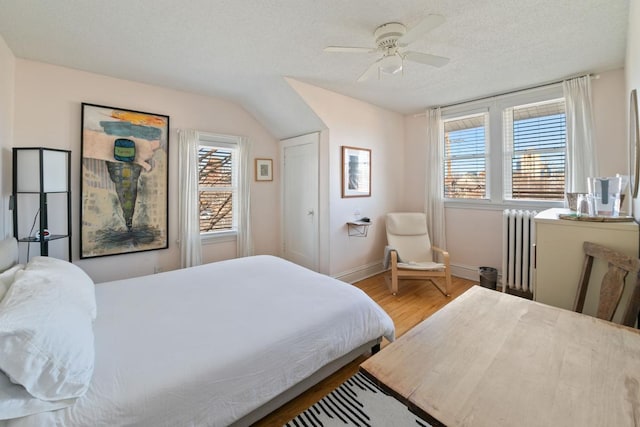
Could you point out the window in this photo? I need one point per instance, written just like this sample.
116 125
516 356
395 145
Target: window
218 186
465 168
535 144
506 150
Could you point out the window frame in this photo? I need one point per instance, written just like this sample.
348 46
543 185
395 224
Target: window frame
487 137
495 147
232 143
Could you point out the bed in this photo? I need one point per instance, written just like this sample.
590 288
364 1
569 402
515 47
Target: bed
214 345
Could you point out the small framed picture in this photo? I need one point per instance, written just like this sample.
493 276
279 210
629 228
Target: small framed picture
356 172
264 170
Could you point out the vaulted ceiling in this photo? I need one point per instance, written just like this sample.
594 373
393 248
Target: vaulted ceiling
243 50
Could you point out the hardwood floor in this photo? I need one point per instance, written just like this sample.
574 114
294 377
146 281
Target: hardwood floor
416 300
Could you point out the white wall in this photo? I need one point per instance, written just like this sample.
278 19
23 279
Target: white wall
474 236
358 124
415 159
50 96
7 73
47 113
609 110
632 69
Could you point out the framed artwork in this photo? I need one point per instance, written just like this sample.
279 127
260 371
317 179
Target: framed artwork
124 181
264 170
634 143
356 172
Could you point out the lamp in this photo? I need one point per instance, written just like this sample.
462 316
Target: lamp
41 188
41 169
391 64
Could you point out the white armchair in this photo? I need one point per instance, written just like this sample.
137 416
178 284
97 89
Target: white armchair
411 253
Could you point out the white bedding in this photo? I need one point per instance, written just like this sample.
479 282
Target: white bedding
204 346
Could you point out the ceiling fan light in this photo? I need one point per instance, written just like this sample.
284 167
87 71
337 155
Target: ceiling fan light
391 64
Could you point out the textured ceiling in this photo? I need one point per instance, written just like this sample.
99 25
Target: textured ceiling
242 50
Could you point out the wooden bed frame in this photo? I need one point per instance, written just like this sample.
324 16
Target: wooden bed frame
257 414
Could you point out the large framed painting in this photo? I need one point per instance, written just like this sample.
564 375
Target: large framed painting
124 181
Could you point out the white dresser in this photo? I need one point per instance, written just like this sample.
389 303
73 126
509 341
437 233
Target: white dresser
559 257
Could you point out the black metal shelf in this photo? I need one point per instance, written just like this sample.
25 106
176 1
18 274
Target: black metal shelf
35 239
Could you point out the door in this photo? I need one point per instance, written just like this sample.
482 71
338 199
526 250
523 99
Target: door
300 193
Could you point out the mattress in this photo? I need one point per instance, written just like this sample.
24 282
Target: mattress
207 345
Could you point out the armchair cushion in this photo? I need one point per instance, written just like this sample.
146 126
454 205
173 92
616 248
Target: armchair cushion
407 234
407 224
428 265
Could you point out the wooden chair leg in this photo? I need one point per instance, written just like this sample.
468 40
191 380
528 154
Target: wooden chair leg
394 283
394 277
445 290
394 272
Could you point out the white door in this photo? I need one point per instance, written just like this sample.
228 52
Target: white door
299 157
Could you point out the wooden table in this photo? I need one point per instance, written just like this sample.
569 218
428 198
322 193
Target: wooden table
493 359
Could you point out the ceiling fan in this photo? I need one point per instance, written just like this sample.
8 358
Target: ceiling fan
391 40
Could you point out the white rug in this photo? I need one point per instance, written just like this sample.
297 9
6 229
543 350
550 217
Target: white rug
357 402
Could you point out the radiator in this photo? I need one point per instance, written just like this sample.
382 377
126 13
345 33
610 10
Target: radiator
518 251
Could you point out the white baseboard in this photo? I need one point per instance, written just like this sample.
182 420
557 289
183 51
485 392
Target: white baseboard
465 271
364 271
469 272
360 273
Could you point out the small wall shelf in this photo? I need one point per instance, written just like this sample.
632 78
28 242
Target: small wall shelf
358 228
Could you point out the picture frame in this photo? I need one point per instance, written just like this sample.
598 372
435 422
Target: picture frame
264 170
124 181
634 143
356 172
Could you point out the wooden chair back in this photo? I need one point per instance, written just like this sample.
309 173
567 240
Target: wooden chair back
613 283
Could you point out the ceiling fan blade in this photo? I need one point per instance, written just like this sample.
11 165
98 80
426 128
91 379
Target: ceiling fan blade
349 49
427 24
373 68
425 58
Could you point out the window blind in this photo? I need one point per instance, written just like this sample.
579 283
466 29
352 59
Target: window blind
465 174
536 145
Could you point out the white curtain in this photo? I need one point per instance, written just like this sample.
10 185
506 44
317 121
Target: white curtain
581 154
189 205
245 241
434 203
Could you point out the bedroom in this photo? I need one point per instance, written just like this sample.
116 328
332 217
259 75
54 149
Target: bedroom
53 95
41 102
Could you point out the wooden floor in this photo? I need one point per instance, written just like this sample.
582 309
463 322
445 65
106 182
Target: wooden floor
416 300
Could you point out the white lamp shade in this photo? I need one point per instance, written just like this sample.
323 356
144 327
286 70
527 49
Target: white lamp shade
391 64
54 169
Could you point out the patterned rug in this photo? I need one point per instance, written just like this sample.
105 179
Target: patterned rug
357 402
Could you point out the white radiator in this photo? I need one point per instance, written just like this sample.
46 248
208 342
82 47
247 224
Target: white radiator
518 252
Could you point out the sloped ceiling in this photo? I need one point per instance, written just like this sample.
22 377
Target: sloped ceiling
242 50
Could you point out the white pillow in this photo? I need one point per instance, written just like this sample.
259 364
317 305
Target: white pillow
8 253
16 402
7 277
46 329
72 277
